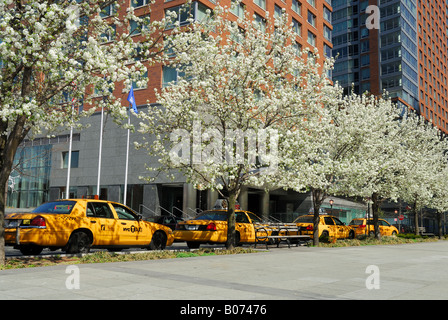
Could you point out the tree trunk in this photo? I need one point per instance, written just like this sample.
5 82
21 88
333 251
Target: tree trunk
318 197
439 223
9 142
375 208
231 234
415 211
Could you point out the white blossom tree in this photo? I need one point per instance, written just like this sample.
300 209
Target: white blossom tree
423 183
239 91
337 155
57 56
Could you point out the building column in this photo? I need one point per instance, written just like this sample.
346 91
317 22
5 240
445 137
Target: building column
264 204
189 199
243 199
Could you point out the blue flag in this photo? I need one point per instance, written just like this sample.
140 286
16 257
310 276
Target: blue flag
131 100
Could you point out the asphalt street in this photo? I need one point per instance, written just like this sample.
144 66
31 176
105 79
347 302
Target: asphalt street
389 272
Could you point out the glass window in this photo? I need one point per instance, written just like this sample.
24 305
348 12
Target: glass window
57 207
311 19
212 215
141 82
170 75
237 9
297 6
327 14
260 21
108 11
241 217
123 212
99 210
327 32
74 161
137 26
297 27
139 3
328 221
311 39
109 34
261 3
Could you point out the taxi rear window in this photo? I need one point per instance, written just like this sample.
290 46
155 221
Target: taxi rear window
304 219
212 215
56 207
356 222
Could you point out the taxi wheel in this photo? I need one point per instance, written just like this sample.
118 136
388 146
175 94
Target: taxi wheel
158 241
30 250
79 242
193 245
351 235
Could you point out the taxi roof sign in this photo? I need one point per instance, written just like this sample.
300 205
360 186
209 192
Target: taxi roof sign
222 204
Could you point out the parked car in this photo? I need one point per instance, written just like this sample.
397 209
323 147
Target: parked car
76 225
364 226
211 227
329 226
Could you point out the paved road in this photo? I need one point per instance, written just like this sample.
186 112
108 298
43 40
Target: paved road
413 271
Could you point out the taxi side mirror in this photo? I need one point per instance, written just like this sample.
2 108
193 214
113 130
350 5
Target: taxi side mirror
139 217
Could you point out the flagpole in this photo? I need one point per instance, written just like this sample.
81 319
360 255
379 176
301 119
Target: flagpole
127 158
132 103
69 165
99 154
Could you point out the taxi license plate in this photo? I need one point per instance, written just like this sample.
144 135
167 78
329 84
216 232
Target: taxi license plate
191 227
12 223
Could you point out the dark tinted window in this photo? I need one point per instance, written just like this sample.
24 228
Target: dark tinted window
212 215
57 207
304 219
99 210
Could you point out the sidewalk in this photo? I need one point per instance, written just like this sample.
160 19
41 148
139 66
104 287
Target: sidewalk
413 271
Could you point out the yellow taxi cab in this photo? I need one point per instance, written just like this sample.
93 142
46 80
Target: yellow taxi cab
329 227
364 226
76 225
211 227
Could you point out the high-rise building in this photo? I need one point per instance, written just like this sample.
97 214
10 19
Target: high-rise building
309 18
406 56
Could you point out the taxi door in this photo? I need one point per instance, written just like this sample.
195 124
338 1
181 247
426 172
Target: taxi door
102 223
342 230
384 227
244 227
131 230
331 226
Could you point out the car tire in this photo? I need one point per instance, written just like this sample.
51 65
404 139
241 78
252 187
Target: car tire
238 239
158 241
351 235
79 242
31 250
394 233
193 245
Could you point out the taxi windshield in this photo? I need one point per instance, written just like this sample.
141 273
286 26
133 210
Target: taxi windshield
212 215
57 207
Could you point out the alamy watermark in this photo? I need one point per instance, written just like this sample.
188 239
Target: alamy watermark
373 280
373 20
73 280
254 148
